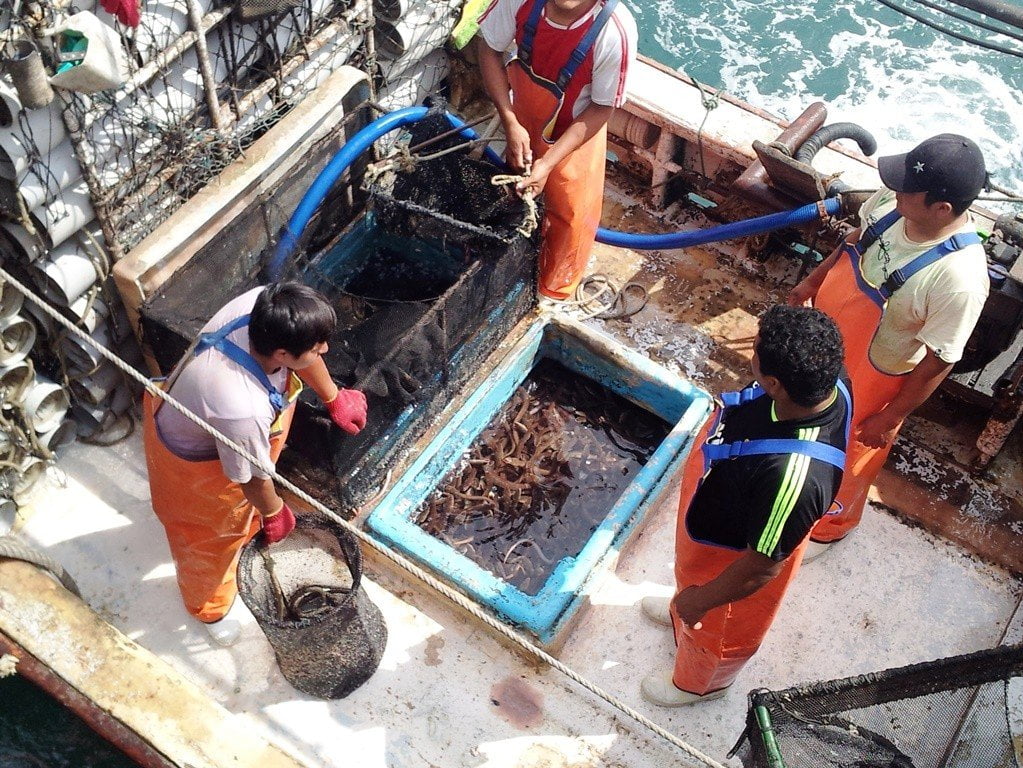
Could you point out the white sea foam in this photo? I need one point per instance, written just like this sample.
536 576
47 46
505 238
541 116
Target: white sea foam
901 80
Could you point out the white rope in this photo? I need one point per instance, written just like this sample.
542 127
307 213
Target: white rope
398 559
532 218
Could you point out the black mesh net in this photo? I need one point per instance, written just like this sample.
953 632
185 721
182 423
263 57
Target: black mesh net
304 592
422 298
950 713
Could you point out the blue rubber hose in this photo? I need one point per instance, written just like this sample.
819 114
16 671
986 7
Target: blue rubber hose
364 139
736 229
340 163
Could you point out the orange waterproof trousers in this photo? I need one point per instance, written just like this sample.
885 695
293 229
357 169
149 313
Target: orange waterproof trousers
206 516
843 299
710 658
574 194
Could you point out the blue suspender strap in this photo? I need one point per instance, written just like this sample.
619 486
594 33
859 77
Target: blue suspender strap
847 396
820 451
898 278
732 399
585 45
218 340
525 47
873 232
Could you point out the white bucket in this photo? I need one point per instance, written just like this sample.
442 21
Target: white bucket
12 379
27 247
11 300
36 128
82 355
17 335
42 182
30 472
98 385
66 275
60 219
8 515
60 436
45 403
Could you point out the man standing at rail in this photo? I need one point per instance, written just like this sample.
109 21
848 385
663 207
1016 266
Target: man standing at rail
757 479
242 378
906 289
554 98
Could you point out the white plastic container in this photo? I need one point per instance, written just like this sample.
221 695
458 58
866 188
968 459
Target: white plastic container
17 335
45 404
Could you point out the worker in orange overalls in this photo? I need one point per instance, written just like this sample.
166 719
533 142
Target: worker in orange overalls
758 478
242 377
906 290
554 98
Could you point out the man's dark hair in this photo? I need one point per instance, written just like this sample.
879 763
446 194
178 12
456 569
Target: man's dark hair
958 206
292 317
802 348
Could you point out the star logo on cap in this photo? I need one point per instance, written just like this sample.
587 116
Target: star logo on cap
918 168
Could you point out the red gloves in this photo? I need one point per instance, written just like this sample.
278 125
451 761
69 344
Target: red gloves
126 11
278 525
348 410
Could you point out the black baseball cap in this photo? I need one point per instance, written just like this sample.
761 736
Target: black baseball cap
949 166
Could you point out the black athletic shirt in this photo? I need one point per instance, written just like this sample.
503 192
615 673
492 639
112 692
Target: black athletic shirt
767 503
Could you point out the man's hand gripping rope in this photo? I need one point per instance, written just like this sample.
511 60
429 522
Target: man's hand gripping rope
532 218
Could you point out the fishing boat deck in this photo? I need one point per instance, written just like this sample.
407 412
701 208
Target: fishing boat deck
450 693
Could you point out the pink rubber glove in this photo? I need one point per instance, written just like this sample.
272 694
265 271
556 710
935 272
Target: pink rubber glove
278 525
348 410
126 11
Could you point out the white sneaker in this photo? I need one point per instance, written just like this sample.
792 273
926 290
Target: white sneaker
815 549
657 609
660 690
225 631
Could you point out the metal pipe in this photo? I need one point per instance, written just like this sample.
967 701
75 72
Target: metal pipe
209 82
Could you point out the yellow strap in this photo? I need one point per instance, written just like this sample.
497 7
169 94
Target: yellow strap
467 26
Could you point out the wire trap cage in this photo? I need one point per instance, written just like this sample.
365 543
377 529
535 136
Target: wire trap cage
958 712
305 593
423 296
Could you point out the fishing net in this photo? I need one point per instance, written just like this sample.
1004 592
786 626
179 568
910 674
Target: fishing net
305 593
422 298
950 713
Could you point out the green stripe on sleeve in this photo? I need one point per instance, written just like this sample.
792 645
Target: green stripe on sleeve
796 471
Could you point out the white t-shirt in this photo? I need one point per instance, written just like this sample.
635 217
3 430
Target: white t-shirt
223 393
613 52
937 308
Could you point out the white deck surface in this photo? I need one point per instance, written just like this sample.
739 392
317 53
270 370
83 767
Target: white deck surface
889 595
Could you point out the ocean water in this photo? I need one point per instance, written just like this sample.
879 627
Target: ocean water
871 65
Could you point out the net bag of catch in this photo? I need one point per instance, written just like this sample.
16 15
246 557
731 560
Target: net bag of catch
957 712
305 593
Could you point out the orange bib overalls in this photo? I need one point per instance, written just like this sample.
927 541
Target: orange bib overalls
206 516
574 193
857 307
710 658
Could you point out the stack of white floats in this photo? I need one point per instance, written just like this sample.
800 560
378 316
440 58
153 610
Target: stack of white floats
410 37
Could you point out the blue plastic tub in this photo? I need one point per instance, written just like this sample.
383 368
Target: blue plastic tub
600 359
